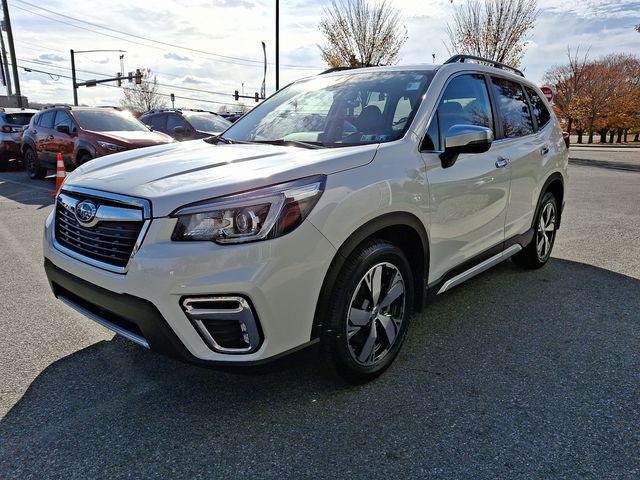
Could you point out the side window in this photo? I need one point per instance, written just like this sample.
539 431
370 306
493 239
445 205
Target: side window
46 119
539 108
63 118
516 118
175 120
465 101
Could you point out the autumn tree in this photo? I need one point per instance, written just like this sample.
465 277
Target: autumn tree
143 97
493 29
360 33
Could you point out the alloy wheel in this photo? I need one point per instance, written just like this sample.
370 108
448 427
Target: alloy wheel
376 313
546 231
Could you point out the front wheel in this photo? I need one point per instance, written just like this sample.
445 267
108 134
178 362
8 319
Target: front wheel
32 165
537 253
368 310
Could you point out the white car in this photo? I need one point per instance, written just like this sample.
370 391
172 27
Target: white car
329 213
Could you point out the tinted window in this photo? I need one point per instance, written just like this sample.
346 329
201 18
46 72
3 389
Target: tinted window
46 119
157 122
208 123
63 118
465 101
108 121
516 118
336 110
18 118
174 120
539 108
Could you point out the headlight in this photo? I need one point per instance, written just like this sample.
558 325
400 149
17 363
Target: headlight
112 147
247 217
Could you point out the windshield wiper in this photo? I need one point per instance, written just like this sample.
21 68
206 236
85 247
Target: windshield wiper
291 143
215 139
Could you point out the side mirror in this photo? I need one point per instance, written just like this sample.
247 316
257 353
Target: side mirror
63 129
149 127
465 139
179 130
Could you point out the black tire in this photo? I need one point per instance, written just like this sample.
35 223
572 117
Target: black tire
32 165
343 342
545 227
84 158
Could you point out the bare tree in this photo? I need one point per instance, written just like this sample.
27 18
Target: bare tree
358 33
493 29
567 80
144 97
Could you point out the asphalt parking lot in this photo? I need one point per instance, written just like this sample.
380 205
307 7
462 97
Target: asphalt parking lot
512 375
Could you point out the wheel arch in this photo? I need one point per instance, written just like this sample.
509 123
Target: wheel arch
554 184
401 228
27 142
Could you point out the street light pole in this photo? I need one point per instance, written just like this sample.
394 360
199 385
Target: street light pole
73 78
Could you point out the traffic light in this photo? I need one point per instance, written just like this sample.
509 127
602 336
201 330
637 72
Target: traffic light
118 80
138 76
236 95
257 97
130 76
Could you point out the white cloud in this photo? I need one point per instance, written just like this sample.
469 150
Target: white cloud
235 28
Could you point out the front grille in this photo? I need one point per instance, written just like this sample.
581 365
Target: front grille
110 242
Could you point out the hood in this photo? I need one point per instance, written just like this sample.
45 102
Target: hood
144 138
174 175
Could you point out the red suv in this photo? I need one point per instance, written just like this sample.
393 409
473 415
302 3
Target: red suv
80 134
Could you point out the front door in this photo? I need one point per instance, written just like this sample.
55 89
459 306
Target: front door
468 201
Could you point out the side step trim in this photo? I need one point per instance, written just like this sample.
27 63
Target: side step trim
481 267
105 323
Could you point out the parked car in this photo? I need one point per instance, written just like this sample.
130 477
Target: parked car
12 121
81 134
329 213
184 124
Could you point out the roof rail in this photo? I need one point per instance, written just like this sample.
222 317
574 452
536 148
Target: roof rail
110 106
492 63
68 107
338 69
179 110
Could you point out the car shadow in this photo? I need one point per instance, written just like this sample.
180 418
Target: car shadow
521 372
588 162
15 185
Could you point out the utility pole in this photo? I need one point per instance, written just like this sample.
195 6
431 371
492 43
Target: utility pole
12 51
5 62
277 45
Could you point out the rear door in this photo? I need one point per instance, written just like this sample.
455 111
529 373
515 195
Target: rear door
524 153
468 201
63 142
43 137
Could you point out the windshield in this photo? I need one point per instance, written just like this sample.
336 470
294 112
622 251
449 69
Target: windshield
350 109
208 123
18 118
108 121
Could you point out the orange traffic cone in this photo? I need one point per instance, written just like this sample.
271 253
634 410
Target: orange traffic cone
60 175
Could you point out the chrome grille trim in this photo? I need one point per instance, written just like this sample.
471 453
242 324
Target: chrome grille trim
88 243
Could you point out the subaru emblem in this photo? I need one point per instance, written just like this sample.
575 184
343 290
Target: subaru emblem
86 211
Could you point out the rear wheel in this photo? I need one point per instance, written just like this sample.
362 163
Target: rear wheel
84 158
537 253
368 312
32 165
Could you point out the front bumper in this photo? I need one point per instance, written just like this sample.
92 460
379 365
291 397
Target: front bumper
281 278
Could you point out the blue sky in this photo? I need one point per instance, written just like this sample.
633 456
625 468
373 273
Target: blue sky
220 29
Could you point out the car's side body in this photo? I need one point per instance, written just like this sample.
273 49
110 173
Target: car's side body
450 223
12 123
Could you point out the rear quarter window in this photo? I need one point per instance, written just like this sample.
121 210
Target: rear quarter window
540 111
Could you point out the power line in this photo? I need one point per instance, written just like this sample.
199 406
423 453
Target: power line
255 62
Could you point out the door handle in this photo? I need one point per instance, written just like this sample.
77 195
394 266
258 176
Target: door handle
544 151
502 162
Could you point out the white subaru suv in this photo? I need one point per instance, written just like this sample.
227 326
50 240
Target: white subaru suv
329 214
